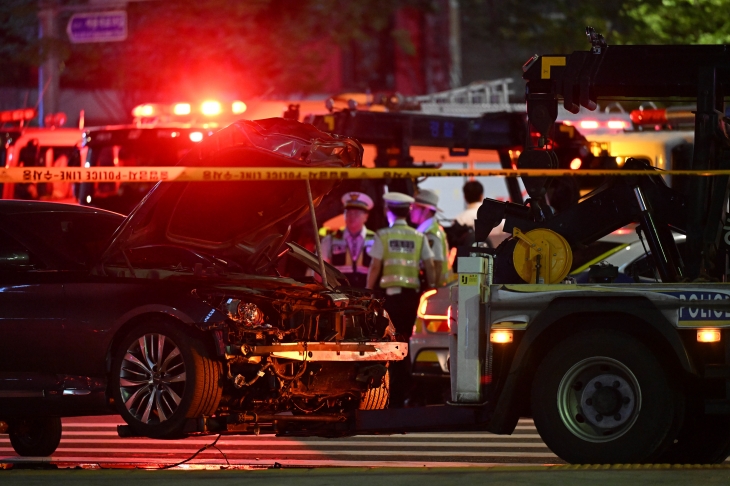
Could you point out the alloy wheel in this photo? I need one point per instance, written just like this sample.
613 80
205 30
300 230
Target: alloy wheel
152 378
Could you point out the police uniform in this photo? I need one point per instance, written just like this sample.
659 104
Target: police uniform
349 253
435 234
401 249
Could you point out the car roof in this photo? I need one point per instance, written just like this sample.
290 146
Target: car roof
18 206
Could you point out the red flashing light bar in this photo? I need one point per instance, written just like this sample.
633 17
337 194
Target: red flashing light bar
595 124
664 116
24 114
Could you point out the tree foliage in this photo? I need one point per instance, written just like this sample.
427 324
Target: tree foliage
252 47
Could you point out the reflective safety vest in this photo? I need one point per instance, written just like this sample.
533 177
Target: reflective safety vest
436 229
402 246
356 270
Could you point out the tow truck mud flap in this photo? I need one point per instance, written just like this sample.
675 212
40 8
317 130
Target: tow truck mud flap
435 418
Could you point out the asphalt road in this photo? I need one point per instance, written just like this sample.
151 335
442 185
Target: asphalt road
92 441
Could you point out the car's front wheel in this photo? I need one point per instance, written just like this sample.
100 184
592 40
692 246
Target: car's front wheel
161 376
603 397
35 436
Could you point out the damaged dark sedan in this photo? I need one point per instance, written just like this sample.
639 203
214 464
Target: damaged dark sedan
181 317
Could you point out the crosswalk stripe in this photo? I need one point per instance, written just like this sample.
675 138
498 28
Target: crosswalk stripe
74 433
259 452
287 443
257 463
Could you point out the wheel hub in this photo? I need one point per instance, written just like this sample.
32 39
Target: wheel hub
607 401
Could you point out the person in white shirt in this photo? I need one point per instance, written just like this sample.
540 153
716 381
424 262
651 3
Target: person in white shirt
474 195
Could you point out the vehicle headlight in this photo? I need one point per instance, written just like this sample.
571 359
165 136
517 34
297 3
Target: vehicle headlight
244 313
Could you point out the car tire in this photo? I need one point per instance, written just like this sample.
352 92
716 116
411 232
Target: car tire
161 376
35 436
604 397
376 398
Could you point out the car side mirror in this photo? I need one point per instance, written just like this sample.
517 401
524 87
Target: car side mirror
14 259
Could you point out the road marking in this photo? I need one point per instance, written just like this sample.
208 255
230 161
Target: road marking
279 452
256 463
287 443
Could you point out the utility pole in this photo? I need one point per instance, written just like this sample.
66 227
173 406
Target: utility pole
455 44
48 73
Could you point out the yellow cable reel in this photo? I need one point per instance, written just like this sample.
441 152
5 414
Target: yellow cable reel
541 256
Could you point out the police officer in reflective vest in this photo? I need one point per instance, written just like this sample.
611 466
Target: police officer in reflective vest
423 213
348 249
400 251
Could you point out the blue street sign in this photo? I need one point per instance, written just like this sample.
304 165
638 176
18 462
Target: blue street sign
97 27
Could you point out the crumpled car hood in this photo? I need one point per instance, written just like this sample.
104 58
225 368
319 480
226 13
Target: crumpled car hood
242 219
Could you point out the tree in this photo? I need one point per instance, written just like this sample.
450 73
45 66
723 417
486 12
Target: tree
175 47
678 21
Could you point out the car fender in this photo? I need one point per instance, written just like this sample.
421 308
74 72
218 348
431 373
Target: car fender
562 317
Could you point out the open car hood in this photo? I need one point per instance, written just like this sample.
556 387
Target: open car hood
243 220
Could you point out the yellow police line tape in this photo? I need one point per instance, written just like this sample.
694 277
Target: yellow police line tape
228 174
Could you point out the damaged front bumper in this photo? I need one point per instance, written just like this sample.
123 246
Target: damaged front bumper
316 351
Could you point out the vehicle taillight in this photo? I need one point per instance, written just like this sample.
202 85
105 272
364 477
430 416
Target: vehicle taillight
196 136
238 107
210 108
181 109
423 304
589 124
576 163
448 315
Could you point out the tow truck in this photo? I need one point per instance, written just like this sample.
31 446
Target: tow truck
610 373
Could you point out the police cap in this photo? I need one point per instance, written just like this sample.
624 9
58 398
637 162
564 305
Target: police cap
357 200
398 200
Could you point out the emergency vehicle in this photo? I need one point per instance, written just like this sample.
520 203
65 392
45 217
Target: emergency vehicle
160 135
21 145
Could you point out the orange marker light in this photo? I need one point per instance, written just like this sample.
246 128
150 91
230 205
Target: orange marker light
210 108
502 336
143 111
708 335
181 109
576 163
238 107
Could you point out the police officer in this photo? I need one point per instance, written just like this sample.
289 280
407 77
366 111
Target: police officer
399 251
348 249
423 214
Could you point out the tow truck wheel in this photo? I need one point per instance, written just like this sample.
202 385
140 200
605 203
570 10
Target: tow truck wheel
162 376
35 436
603 397
704 439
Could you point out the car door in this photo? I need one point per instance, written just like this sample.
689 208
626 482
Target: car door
31 313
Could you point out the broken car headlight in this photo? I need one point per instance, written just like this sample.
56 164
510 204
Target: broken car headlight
244 313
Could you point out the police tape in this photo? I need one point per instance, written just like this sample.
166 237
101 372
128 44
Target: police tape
246 174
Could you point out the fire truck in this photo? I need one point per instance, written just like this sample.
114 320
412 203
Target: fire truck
21 145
